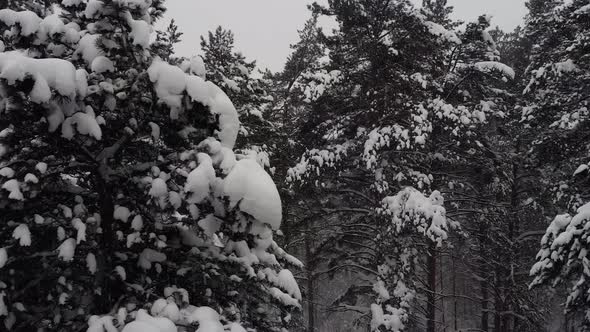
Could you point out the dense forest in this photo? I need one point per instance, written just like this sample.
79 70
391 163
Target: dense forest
405 171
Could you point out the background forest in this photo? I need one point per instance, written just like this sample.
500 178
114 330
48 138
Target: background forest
434 175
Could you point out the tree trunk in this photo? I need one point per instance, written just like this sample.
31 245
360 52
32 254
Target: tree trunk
442 290
498 306
105 249
511 322
310 303
483 272
431 297
454 292
310 280
484 305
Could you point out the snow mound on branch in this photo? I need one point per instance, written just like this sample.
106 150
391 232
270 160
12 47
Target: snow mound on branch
149 256
381 290
121 213
284 298
7 172
80 227
170 85
207 318
411 208
93 7
101 324
582 168
31 178
23 235
219 103
3 257
91 263
142 5
140 326
392 321
200 179
197 67
56 74
13 186
317 83
68 3
140 31
210 225
167 309
169 82
50 26
159 188
566 66
137 223
440 31
149 323
87 48
564 227
27 20
41 167
67 250
155 130
86 124
252 188
102 64
583 10
286 281
489 66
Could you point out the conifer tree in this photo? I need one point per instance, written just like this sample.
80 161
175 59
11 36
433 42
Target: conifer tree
557 109
230 70
401 99
123 203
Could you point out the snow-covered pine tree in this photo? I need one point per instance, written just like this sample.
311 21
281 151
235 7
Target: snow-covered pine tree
399 99
165 41
558 103
245 86
40 7
287 112
123 203
493 188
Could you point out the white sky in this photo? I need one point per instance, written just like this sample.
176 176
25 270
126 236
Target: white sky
264 29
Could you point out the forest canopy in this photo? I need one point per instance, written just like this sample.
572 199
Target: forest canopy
404 171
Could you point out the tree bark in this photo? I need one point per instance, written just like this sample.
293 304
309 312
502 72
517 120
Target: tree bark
484 282
498 305
454 293
484 306
105 249
310 280
431 297
511 322
442 290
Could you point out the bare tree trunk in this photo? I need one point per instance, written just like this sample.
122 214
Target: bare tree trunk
310 303
442 290
310 280
431 297
514 229
484 305
498 306
484 286
454 293
464 292
105 250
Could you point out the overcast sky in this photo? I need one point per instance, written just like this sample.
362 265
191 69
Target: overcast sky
264 29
